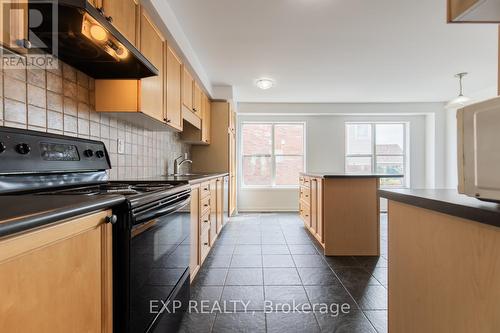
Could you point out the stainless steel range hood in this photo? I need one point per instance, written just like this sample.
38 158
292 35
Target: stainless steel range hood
79 35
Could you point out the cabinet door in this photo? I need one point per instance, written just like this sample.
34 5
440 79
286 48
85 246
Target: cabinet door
313 205
187 89
173 89
195 261
319 210
123 15
206 120
58 278
197 99
220 203
213 212
152 87
13 24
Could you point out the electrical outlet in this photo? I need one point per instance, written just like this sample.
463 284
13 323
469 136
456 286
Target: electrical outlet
121 146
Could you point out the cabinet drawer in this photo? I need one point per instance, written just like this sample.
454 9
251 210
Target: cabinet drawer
205 189
305 212
205 222
305 194
305 181
204 245
205 204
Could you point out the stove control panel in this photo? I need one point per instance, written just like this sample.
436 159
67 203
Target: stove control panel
32 151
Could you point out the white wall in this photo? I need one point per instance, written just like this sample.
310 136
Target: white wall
325 142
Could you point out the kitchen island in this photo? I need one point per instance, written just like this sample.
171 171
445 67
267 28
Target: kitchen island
342 211
444 262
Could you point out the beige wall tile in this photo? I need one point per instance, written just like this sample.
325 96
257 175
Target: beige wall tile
70 124
36 76
54 101
55 120
70 107
69 73
54 82
37 96
37 116
15 89
69 89
14 111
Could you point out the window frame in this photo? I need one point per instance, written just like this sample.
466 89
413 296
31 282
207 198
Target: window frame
273 154
373 156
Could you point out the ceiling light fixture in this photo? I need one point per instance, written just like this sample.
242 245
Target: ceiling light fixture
461 100
264 84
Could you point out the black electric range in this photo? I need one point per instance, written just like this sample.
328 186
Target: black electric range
151 229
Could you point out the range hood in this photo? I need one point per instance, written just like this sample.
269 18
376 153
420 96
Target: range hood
79 35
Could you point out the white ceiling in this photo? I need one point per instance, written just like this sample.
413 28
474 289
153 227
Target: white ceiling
338 50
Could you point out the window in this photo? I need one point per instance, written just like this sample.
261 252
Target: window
272 153
377 148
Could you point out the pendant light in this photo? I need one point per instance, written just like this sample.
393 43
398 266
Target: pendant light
461 100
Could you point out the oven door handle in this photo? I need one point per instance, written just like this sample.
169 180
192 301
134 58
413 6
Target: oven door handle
160 211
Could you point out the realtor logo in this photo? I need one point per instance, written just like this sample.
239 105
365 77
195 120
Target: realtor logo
21 22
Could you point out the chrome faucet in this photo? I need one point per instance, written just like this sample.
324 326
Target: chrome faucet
178 164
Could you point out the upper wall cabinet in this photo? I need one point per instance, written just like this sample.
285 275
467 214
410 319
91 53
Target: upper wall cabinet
14 25
122 14
187 89
173 89
146 97
152 87
197 99
474 11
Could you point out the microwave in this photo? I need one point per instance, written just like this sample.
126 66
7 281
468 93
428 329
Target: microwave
479 150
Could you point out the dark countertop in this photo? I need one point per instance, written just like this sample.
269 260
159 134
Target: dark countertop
448 202
346 175
190 179
24 212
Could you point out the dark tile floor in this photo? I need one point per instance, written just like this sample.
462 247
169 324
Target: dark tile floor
271 257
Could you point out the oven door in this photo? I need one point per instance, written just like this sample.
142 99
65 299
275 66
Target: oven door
159 266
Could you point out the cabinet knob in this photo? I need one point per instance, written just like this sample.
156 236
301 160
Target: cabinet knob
206 244
168 120
206 205
24 43
111 219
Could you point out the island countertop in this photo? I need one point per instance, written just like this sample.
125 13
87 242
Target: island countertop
347 175
449 202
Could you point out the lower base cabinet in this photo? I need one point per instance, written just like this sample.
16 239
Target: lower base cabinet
58 278
207 202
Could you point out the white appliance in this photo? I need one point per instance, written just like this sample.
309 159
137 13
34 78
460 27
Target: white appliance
479 150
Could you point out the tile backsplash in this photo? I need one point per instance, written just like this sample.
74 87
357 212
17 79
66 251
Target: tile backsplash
62 101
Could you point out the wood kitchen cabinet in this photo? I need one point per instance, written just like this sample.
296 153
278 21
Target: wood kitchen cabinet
220 155
195 259
173 89
187 89
58 278
152 47
197 99
207 204
219 203
123 15
14 24
206 120
311 205
140 101
199 136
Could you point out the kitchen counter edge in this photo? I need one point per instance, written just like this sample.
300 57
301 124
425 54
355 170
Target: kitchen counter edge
46 213
448 202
